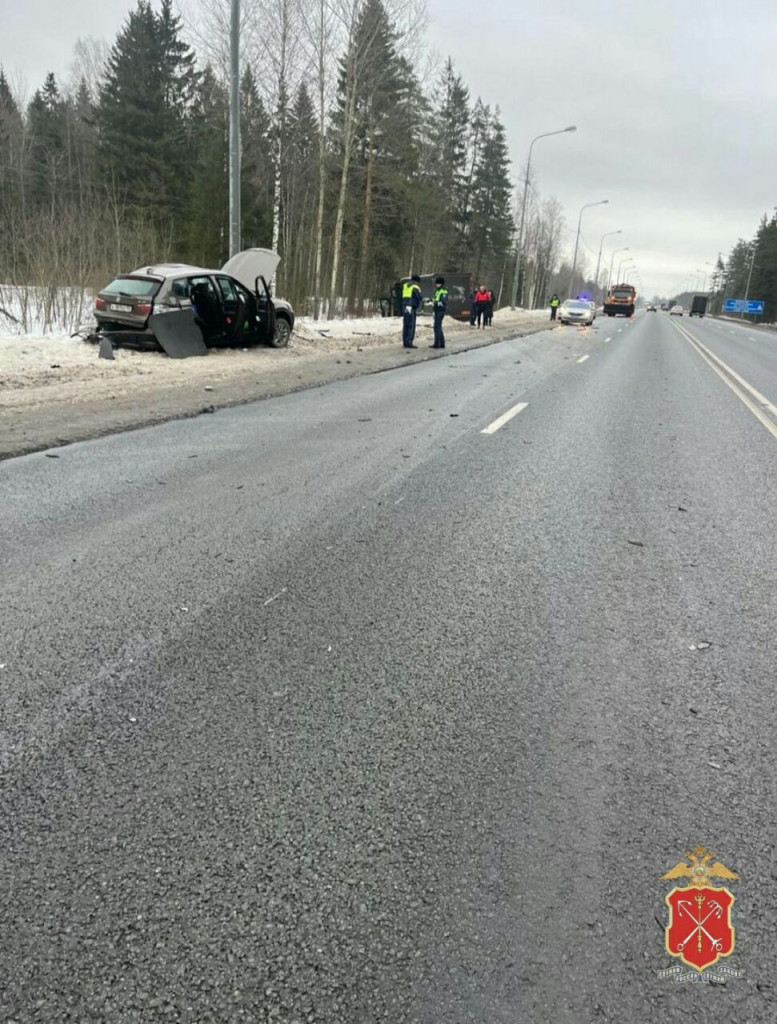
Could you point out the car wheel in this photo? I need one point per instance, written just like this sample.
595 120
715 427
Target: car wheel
282 333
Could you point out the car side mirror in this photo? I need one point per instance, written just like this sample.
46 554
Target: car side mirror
174 301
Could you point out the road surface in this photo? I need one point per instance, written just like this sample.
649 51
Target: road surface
393 700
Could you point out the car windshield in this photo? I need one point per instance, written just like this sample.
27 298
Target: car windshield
140 286
575 304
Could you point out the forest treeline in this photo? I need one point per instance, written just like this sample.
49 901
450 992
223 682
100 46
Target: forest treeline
355 167
750 270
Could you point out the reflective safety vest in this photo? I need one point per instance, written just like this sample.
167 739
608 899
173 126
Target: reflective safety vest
409 288
554 303
441 298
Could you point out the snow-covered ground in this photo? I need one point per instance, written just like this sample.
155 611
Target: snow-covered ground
54 386
41 311
46 360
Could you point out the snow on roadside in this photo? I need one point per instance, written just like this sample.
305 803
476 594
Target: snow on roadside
36 368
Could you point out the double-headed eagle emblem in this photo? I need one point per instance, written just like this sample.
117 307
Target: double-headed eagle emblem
699 931
700 871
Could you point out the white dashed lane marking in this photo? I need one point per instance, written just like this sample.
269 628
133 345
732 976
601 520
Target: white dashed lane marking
504 418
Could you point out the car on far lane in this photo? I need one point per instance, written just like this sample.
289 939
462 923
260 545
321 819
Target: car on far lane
650 309
576 311
676 311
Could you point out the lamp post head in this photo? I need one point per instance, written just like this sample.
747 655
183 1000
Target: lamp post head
571 128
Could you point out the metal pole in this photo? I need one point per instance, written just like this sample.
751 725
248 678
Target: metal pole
601 202
612 260
234 132
519 246
749 276
599 260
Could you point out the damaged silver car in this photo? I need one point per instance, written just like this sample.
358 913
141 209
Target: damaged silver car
186 310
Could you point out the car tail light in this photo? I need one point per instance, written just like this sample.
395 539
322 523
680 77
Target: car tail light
143 308
99 303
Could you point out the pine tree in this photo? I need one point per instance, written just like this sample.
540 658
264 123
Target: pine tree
207 210
144 114
11 178
46 166
492 224
257 168
301 195
444 176
376 140
763 283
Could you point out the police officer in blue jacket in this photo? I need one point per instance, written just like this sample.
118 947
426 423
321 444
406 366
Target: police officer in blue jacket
440 309
411 303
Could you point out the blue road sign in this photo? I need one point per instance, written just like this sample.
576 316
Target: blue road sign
754 306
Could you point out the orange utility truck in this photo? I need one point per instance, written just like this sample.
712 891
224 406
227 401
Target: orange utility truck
620 299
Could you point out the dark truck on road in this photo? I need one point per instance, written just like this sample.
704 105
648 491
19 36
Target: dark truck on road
698 305
459 291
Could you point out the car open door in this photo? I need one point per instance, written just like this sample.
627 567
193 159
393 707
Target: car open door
178 333
265 310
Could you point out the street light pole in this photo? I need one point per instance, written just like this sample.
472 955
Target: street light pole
600 202
234 131
599 260
627 259
749 277
612 258
519 246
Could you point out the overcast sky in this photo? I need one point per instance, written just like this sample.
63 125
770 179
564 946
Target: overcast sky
675 105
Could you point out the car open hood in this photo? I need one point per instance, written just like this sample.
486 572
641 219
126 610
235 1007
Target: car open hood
246 266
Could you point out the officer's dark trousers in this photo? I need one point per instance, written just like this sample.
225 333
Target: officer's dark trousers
439 337
553 312
408 328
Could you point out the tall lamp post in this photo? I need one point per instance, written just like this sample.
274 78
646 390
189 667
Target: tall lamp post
749 279
519 246
599 260
234 130
600 202
628 259
612 258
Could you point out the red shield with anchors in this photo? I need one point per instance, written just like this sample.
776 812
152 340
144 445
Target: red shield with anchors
699 929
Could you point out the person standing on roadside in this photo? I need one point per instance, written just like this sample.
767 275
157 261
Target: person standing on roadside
473 308
489 311
411 302
554 304
481 301
440 309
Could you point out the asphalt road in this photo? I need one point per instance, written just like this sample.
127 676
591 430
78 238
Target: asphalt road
335 708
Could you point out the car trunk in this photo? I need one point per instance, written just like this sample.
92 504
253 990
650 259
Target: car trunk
127 302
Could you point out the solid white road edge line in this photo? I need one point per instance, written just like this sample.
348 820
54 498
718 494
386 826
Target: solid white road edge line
722 370
504 418
740 380
582 359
